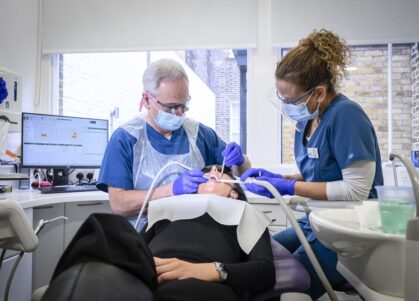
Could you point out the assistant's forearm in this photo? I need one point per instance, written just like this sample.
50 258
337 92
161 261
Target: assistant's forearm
313 190
129 202
238 170
296 176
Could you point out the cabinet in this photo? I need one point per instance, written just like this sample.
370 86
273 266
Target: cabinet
55 237
51 243
21 287
274 212
77 213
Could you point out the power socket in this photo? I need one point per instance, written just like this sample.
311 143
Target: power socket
403 177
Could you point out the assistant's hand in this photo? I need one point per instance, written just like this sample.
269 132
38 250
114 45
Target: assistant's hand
174 269
284 186
233 154
258 172
188 182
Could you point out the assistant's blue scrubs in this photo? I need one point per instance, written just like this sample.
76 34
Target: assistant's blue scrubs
344 136
116 169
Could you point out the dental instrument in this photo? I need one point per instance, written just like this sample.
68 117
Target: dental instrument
230 181
222 168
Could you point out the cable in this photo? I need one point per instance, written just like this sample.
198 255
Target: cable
313 259
3 253
152 186
12 274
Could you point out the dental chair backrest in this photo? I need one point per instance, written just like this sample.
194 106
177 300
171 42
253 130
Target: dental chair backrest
15 231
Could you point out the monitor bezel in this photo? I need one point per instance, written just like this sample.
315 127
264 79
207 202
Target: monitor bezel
58 166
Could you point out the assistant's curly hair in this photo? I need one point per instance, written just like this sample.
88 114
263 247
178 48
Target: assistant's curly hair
320 58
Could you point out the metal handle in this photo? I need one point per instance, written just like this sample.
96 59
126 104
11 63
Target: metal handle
89 204
44 207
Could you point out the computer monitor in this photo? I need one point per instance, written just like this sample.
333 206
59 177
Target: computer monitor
62 142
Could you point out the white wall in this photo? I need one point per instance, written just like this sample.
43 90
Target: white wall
18 44
263 119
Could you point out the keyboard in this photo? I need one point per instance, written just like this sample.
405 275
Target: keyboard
69 188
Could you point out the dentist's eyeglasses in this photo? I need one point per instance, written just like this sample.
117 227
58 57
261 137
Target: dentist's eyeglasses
172 108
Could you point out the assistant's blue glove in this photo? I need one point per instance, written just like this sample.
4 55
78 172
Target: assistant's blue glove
284 186
258 172
188 182
3 90
233 154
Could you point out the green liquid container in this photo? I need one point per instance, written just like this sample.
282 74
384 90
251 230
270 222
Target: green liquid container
397 207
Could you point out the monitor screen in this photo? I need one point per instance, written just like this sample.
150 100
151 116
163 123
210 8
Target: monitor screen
60 141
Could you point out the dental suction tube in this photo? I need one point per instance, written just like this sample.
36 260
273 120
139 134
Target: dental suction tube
300 234
152 186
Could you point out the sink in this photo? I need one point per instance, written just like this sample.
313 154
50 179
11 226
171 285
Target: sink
372 261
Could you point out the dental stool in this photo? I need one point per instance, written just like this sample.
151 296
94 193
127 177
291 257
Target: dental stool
291 275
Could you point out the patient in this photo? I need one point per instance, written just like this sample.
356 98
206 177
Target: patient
184 253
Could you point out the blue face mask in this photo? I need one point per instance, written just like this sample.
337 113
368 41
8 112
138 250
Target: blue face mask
169 122
299 112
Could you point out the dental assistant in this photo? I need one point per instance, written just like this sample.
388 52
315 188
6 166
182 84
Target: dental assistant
335 147
141 147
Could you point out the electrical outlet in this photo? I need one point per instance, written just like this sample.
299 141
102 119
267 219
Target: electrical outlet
403 177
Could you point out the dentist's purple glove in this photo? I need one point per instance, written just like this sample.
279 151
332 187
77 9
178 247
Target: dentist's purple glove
188 182
284 186
258 172
233 154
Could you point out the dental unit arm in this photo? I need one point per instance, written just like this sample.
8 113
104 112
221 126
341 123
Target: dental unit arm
300 235
412 236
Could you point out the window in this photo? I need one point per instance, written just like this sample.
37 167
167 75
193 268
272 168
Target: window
109 85
367 83
235 121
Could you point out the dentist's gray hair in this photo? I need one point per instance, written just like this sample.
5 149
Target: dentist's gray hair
161 70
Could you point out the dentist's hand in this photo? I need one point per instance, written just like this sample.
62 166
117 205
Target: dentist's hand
188 182
284 186
233 154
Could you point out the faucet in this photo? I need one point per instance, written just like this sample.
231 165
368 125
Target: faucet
411 287
412 175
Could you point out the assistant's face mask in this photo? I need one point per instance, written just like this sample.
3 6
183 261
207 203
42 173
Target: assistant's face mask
169 122
300 111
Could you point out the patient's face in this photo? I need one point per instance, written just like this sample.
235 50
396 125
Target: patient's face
214 187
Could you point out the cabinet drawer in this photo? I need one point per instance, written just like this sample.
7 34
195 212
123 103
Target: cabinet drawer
274 212
50 246
77 213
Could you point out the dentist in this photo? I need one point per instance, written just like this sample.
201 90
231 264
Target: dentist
141 147
336 148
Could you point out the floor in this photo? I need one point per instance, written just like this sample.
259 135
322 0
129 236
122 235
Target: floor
342 297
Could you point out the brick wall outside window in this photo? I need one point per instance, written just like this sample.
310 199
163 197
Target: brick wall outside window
367 85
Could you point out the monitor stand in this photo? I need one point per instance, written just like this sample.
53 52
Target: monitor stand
60 176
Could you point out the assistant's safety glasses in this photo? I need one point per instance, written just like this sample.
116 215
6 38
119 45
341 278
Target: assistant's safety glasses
172 108
295 100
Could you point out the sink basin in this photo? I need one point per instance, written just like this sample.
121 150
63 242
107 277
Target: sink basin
372 261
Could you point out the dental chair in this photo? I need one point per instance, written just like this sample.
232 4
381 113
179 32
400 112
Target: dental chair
81 282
